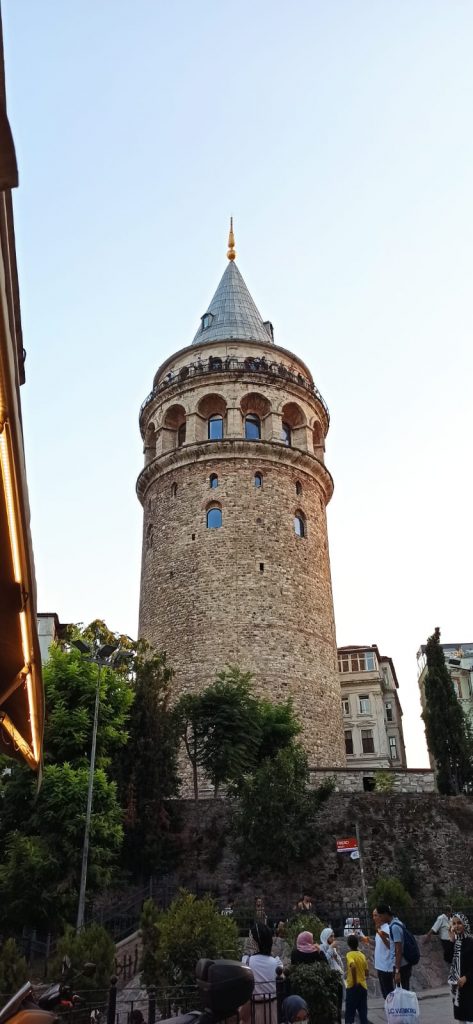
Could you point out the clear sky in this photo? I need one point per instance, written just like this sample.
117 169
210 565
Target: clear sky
339 135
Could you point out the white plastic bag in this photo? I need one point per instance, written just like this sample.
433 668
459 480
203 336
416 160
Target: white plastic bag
402 1006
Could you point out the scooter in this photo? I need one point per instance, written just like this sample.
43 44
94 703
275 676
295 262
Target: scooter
224 985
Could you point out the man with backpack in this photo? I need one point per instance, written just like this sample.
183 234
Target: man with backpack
403 945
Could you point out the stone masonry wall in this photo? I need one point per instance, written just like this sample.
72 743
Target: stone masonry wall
352 780
251 593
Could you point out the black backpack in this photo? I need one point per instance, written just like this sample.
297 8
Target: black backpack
410 947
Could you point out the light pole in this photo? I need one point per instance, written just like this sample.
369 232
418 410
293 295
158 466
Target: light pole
99 657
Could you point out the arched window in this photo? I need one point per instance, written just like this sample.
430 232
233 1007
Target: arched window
286 434
215 363
214 518
215 428
252 427
213 480
298 487
174 490
258 479
181 435
299 525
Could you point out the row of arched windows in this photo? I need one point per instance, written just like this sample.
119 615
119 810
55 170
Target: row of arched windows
215 521
215 430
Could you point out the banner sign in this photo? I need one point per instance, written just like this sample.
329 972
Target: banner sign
347 846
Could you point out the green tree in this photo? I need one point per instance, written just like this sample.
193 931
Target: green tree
93 945
390 890
189 929
13 969
148 768
41 832
279 727
275 811
448 731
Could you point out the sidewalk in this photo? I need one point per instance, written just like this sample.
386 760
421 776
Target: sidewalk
435 1006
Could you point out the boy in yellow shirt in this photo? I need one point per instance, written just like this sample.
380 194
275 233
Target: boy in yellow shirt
357 986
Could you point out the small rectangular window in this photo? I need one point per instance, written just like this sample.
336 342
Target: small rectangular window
389 711
367 741
393 746
345 705
364 704
343 663
261 567
348 741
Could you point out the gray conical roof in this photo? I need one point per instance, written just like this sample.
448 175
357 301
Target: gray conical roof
234 314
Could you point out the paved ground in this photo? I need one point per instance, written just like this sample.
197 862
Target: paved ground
435 1008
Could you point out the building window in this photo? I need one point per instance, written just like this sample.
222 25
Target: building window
215 428
207 321
174 490
367 741
345 705
299 525
357 661
364 705
457 686
252 427
393 747
213 480
286 434
258 479
181 435
298 487
389 711
348 741
214 518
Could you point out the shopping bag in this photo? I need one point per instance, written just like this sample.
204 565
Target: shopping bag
401 1005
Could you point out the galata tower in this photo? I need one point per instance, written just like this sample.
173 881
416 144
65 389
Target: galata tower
235 565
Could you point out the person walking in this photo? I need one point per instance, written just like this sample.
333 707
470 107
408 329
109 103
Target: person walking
263 965
357 984
402 969
383 955
328 947
460 977
441 928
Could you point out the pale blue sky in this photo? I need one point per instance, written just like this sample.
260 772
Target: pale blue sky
339 134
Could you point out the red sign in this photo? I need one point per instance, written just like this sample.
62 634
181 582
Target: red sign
347 845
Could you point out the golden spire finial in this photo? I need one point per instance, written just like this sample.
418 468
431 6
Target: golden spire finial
231 254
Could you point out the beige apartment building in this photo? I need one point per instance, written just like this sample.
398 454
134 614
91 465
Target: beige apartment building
372 713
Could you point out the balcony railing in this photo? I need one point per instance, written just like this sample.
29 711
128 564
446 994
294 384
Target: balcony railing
252 364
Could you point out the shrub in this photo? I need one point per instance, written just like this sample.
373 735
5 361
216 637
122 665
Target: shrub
13 969
392 891
318 985
383 782
189 929
303 923
92 945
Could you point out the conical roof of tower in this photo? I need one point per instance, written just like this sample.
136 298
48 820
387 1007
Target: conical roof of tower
232 313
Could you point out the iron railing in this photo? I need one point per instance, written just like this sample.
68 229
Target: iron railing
252 364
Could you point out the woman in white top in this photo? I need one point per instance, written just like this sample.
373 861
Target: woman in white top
263 965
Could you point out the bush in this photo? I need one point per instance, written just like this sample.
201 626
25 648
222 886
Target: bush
13 969
318 985
392 891
92 945
303 923
191 928
383 782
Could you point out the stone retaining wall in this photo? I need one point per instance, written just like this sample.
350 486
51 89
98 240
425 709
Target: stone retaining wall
352 780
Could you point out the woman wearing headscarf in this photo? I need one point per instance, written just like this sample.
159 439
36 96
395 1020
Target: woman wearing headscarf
294 1008
307 951
334 960
460 977
263 965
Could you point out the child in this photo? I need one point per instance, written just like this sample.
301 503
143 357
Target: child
357 986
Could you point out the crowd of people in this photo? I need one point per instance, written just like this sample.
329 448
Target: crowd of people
395 953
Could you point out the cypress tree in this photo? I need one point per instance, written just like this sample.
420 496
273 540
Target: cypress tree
448 731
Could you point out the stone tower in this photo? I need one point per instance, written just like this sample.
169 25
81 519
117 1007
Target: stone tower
235 565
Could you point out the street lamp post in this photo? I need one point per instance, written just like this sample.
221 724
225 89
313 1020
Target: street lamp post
100 658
